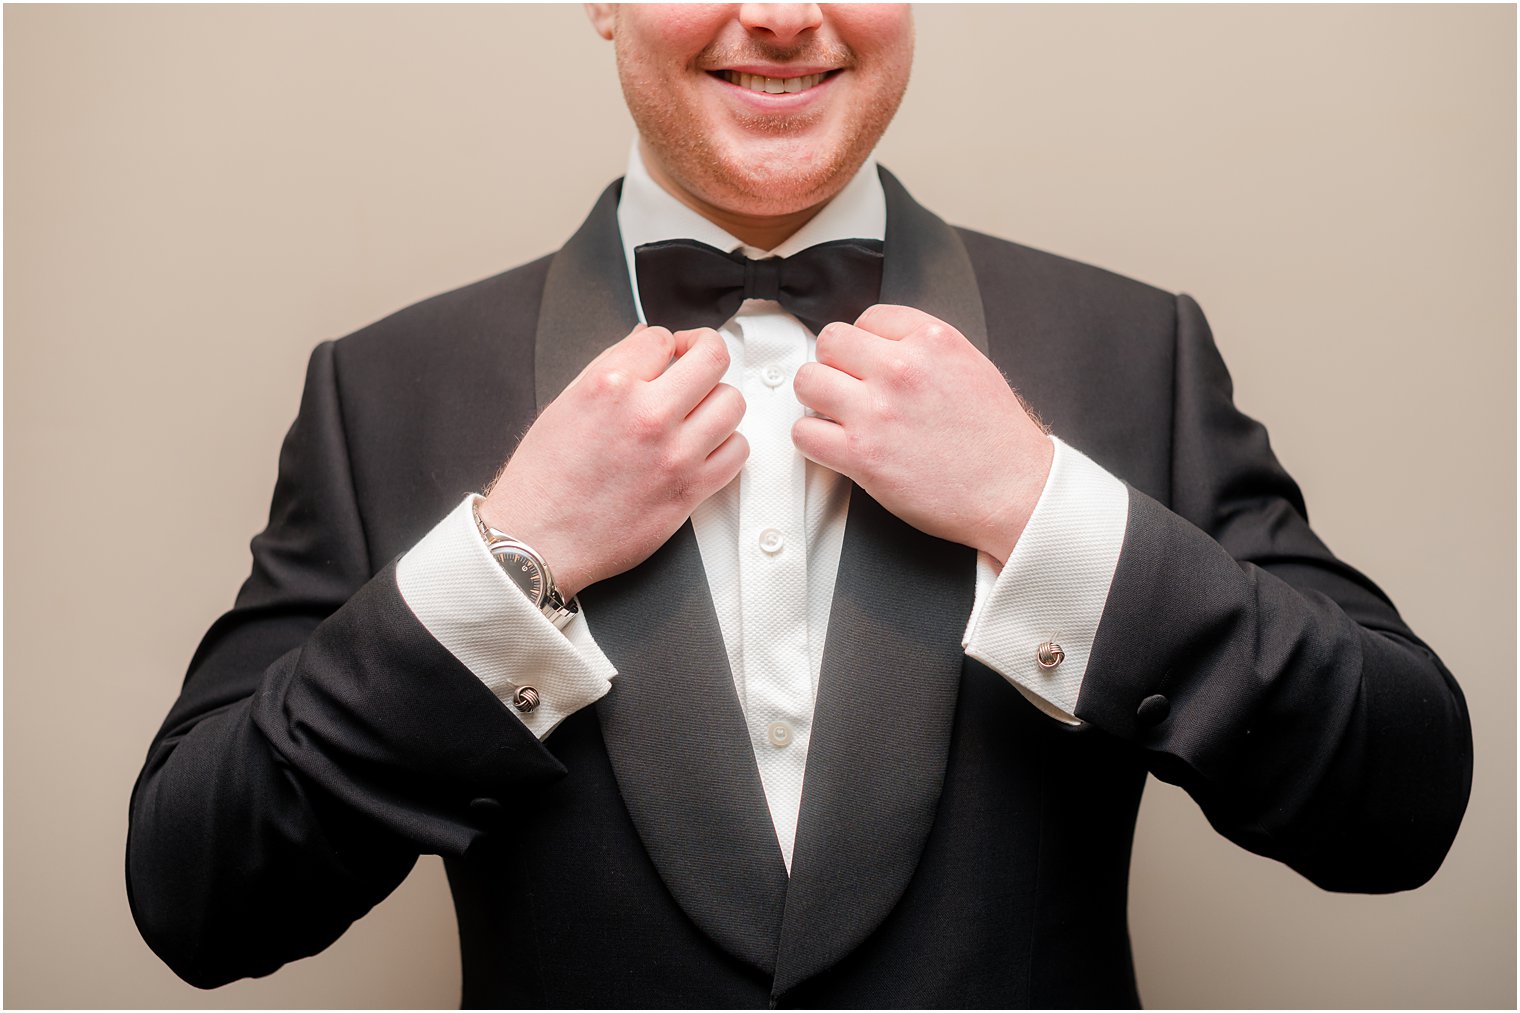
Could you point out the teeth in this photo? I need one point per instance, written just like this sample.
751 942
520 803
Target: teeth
773 85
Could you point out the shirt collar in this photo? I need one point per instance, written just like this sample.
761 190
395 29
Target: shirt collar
647 213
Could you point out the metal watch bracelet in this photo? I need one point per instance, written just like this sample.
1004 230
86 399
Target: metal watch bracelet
553 606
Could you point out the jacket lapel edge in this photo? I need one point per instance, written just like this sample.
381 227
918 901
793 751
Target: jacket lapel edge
672 724
892 661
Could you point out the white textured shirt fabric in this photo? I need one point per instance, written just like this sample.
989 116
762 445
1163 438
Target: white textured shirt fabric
1053 587
770 543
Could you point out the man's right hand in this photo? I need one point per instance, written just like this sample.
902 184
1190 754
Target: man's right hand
617 462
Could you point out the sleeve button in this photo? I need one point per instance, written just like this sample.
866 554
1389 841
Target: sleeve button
1049 654
486 808
1153 710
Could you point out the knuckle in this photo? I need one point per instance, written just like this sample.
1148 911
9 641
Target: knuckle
607 382
669 468
904 372
827 339
725 463
661 338
740 445
733 403
646 423
716 352
803 379
801 435
938 334
862 449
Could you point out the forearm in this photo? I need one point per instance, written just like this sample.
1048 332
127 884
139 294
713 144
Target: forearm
1273 681
261 828
1250 665
458 592
1036 614
1280 689
321 741
1288 698
234 866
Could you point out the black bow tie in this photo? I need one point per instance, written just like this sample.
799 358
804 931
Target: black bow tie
685 284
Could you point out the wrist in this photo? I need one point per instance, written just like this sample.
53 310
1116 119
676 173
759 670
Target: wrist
1017 503
532 528
526 567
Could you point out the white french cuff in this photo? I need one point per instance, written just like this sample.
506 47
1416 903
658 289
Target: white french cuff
458 592
1047 602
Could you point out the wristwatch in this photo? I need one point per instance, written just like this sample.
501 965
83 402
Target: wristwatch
527 569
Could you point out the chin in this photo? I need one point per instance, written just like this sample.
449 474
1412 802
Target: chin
778 181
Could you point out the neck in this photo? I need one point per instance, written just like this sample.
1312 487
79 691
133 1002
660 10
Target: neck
765 232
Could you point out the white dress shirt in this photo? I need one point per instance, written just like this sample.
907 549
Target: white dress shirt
770 543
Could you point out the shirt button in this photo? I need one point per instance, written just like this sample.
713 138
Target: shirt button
773 376
771 541
780 733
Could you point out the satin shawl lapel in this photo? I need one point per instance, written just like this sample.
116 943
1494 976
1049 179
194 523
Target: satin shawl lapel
672 722
891 666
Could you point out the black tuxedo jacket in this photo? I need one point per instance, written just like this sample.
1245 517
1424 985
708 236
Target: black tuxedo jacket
956 847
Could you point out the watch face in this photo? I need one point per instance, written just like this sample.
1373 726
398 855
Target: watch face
523 571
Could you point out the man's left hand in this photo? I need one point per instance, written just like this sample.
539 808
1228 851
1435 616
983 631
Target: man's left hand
926 425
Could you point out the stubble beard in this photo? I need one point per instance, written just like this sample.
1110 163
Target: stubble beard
773 179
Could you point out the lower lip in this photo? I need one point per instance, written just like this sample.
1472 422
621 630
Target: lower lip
782 102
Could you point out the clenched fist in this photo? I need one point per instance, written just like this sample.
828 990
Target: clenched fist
926 424
619 460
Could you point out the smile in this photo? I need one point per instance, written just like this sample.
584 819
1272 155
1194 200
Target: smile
773 85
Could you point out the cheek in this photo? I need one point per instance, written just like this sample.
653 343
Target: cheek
670 34
882 33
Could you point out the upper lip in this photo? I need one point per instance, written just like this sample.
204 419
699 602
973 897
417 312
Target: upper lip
772 70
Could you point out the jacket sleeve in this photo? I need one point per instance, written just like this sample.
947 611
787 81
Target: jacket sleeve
322 740
1274 683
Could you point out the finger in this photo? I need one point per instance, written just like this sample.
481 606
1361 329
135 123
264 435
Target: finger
695 373
713 420
849 348
828 391
822 441
644 353
610 350
685 339
897 322
723 464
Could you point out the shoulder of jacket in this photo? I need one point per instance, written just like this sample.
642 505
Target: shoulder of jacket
1091 308
501 310
998 258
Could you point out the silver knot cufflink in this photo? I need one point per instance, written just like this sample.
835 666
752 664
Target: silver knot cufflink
525 700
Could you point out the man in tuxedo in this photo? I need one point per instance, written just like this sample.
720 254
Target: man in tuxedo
790 659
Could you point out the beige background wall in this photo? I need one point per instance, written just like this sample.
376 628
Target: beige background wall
195 196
